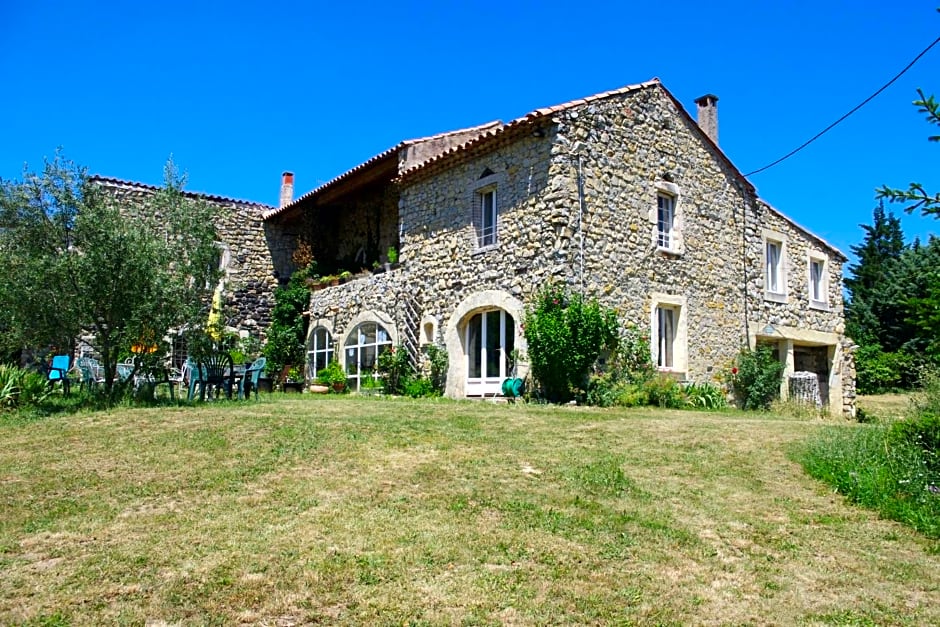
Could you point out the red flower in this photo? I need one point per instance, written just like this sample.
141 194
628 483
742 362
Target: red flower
734 371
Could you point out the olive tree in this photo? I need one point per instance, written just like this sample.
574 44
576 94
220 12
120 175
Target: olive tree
79 263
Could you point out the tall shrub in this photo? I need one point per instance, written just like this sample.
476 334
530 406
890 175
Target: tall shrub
285 345
757 382
565 335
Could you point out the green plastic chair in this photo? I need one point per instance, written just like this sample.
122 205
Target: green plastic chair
216 372
91 372
250 378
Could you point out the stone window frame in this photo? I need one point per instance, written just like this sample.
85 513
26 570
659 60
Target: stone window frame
670 190
429 330
781 295
814 257
680 340
489 182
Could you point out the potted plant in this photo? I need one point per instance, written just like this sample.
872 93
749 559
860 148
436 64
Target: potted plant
377 267
392 256
345 275
371 384
333 376
294 381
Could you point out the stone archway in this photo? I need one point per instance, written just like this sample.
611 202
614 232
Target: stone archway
456 336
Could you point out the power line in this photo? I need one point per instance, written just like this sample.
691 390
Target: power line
862 104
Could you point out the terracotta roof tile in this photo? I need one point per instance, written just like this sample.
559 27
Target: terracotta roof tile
370 162
108 180
528 118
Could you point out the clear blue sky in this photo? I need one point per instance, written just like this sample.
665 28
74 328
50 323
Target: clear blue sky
239 92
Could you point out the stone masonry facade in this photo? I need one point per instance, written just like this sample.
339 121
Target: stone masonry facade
578 191
248 247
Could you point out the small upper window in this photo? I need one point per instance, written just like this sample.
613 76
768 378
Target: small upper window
484 209
818 283
775 278
486 225
665 221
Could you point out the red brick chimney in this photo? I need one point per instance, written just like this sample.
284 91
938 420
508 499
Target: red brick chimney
287 189
708 115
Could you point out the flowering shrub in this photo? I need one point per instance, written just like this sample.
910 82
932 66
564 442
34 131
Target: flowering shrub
565 336
757 381
396 369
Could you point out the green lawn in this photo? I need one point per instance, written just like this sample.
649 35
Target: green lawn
299 510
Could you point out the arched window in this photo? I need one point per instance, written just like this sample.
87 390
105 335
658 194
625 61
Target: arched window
362 350
490 339
319 351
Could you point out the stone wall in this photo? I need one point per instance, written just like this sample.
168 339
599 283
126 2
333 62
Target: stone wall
247 244
624 150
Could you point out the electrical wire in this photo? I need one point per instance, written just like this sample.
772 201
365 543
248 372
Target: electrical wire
862 104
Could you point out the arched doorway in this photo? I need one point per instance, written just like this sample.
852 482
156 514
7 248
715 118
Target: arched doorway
480 336
489 340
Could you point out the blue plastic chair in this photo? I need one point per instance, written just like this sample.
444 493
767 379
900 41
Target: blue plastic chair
58 373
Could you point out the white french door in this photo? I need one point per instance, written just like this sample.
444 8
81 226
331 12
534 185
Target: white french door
490 337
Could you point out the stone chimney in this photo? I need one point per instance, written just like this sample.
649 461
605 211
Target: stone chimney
287 189
708 115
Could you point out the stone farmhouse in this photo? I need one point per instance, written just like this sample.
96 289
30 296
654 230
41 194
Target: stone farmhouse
622 196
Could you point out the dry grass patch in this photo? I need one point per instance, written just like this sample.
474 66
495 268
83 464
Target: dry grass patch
319 510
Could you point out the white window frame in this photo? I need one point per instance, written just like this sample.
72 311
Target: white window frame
316 349
665 221
678 342
775 268
485 220
489 382
667 241
352 352
820 300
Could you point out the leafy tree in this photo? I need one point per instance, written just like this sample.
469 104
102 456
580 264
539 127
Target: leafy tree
874 313
920 198
565 336
76 264
920 284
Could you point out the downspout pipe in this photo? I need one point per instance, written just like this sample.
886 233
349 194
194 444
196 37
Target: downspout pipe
744 204
581 222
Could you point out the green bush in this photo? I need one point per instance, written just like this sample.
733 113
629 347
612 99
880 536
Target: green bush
396 369
878 372
664 391
420 387
921 431
438 362
757 382
333 373
633 360
565 337
287 333
705 396
21 388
